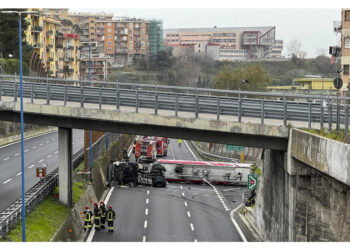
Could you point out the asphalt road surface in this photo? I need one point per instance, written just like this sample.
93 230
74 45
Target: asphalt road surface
180 212
37 151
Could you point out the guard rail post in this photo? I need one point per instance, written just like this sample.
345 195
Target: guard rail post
284 110
65 95
81 96
0 87
218 109
47 93
176 103
117 101
346 117
239 105
330 118
15 90
338 113
156 103
196 108
137 100
32 93
309 117
262 110
99 98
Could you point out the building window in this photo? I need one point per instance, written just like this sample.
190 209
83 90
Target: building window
109 30
142 44
346 70
109 49
130 50
130 25
109 36
92 34
143 51
109 24
109 43
142 25
347 42
347 15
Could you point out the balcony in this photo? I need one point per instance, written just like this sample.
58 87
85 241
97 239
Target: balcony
59 34
50 72
50 59
337 26
37 28
38 46
68 59
69 47
49 46
49 33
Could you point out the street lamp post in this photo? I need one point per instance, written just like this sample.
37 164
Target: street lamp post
90 151
21 98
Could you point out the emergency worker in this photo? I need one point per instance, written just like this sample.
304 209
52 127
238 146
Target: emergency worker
103 214
88 218
97 216
110 218
179 141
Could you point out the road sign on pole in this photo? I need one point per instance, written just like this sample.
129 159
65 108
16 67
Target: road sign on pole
252 181
234 148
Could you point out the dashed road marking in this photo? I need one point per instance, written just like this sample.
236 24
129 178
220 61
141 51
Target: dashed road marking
147 200
49 156
56 152
183 194
186 204
192 228
147 191
146 211
189 214
47 141
145 224
16 154
195 240
31 166
6 181
6 158
41 160
144 238
34 147
181 186
19 173
41 144
25 151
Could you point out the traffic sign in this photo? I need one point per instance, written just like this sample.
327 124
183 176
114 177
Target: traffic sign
338 83
234 148
40 172
252 181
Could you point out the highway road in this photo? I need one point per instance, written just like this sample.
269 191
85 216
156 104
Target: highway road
180 212
38 150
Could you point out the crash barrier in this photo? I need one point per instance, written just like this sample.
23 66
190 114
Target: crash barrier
13 213
324 108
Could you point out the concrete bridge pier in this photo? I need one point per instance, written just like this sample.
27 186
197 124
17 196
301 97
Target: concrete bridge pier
65 167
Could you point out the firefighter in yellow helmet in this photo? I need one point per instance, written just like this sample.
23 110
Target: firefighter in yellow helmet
88 218
103 214
110 218
97 216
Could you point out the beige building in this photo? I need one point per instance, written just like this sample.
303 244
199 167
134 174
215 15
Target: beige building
345 47
58 14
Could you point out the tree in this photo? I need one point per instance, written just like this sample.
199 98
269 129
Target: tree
251 77
9 33
163 60
77 29
321 52
294 47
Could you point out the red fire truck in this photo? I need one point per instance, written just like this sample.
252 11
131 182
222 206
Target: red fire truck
162 146
145 150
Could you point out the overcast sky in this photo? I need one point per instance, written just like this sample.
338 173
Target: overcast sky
312 27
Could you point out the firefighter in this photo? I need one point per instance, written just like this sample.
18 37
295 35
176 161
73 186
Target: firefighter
97 216
179 141
103 214
110 218
88 217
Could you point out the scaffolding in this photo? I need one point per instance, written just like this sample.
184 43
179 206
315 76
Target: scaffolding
155 37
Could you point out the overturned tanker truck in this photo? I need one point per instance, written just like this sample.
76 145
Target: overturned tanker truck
133 174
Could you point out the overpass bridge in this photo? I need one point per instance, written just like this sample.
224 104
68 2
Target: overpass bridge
194 114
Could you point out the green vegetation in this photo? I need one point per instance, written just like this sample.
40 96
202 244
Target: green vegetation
332 134
255 169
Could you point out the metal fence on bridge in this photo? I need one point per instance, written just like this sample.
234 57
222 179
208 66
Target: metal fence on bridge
263 105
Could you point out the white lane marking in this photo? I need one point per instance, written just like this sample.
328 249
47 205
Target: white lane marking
195 240
147 200
147 191
12 143
183 194
31 166
16 154
41 144
144 238
47 141
49 156
34 147
146 211
189 214
52 139
6 158
19 173
192 228
181 186
92 232
191 151
236 225
186 204
145 224
41 160
56 152
25 151
6 181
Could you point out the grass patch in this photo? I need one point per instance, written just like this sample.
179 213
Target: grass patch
331 134
78 191
43 222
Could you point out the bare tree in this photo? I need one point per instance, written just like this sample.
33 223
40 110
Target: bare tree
294 47
321 52
302 54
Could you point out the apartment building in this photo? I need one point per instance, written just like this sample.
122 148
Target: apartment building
98 68
230 43
345 47
58 14
124 38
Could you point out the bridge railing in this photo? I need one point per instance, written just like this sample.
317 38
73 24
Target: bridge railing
262 105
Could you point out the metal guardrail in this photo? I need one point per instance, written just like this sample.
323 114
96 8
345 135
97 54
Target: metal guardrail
264 105
212 156
13 213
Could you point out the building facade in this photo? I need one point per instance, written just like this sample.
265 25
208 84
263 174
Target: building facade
235 43
345 47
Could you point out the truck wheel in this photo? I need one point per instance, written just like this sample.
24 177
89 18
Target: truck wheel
159 181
